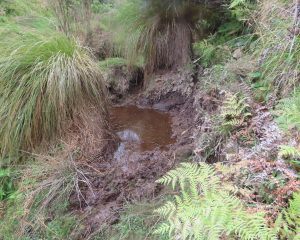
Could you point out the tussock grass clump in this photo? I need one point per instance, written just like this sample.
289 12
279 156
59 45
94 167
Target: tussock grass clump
45 84
160 31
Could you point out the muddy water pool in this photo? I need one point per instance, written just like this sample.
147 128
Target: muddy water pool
141 129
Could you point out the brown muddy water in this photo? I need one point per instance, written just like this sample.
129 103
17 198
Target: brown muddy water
145 153
141 129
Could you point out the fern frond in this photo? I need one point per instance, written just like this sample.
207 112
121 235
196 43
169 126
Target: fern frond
288 152
192 174
235 3
163 229
234 112
206 210
167 209
288 112
288 221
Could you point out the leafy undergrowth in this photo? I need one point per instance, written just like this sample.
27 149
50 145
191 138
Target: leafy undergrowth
201 206
259 151
243 178
205 210
137 221
288 222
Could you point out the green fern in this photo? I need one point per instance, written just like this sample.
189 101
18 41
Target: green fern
288 112
234 113
7 187
205 210
206 51
242 9
235 3
288 222
290 153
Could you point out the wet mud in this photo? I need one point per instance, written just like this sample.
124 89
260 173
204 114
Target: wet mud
151 141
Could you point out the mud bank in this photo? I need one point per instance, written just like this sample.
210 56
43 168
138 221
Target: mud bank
151 142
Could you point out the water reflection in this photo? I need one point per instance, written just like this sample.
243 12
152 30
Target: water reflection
147 128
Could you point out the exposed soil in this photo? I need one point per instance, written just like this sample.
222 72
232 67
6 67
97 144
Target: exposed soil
162 125
153 137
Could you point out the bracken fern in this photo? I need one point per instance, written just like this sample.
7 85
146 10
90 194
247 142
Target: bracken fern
234 112
290 153
205 210
288 221
288 112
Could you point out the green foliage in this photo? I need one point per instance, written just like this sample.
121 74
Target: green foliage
131 225
288 221
70 14
45 83
21 7
100 7
207 53
7 187
267 188
288 112
125 32
24 26
234 113
61 227
112 62
242 9
278 54
136 222
231 33
260 91
232 117
205 209
290 153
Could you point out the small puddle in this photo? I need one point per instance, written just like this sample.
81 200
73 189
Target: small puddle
141 129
